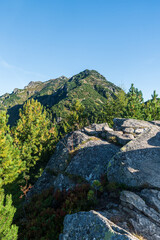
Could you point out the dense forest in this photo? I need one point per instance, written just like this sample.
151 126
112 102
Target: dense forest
26 147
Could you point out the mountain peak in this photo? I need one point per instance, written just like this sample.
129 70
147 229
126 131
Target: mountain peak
90 72
32 84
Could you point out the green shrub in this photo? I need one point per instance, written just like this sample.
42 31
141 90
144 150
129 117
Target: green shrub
7 230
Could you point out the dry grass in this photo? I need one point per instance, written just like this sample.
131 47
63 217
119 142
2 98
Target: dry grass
138 236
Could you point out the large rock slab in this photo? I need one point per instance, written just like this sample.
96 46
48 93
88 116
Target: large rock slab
60 159
152 198
92 159
52 175
92 226
140 205
78 158
124 124
144 219
138 163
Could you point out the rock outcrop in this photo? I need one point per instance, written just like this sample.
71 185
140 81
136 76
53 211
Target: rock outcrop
131 125
129 154
78 158
124 130
138 162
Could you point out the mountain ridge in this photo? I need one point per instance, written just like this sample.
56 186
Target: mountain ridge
89 87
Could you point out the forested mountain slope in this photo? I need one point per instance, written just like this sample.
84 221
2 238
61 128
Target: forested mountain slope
90 87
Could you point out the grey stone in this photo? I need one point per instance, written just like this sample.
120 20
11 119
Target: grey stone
118 137
144 219
92 226
58 163
106 129
138 162
90 131
129 136
138 203
99 127
121 124
95 129
61 158
128 130
116 215
142 225
124 139
139 130
63 182
92 159
152 198
77 155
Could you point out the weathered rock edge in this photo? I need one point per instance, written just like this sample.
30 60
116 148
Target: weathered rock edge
92 226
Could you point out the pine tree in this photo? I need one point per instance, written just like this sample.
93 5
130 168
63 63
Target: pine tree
152 108
108 111
134 108
77 116
114 108
7 230
119 104
10 163
76 119
34 134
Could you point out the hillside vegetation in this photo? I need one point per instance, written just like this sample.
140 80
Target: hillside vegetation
89 87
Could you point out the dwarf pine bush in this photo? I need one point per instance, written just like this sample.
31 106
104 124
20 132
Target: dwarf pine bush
7 230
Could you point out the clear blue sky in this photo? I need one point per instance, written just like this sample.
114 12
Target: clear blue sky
43 39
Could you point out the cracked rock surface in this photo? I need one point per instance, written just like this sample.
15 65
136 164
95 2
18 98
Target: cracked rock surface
138 162
92 226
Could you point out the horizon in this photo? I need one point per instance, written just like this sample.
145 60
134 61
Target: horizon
42 41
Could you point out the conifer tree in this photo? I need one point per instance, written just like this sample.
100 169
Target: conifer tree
115 107
10 162
7 230
34 135
108 111
152 108
76 119
119 104
77 116
134 108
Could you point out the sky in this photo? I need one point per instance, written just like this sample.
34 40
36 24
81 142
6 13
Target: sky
45 39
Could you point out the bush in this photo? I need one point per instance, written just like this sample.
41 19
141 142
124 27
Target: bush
7 230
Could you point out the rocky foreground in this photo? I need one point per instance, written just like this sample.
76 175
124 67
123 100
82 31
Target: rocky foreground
129 154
